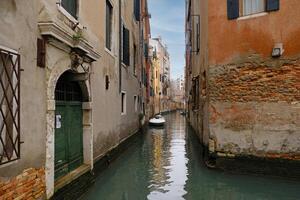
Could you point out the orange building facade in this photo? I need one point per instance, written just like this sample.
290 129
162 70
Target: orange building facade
243 78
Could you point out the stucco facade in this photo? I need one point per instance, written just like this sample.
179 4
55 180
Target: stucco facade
161 63
76 46
247 100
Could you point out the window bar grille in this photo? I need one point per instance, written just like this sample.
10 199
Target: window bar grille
9 112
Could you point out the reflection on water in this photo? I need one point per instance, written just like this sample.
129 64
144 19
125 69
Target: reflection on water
166 164
168 172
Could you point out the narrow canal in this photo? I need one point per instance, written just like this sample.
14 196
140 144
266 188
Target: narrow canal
166 164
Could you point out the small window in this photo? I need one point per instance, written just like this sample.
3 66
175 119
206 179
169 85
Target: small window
203 84
70 6
126 46
195 93
249 7
123 103
135 100
137 10
41 53
109 16
134 59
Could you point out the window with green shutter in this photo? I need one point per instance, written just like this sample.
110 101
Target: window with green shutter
70 6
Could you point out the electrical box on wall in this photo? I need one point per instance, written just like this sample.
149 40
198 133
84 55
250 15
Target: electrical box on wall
277 50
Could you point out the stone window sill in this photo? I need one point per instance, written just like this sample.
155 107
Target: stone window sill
252 16
109 52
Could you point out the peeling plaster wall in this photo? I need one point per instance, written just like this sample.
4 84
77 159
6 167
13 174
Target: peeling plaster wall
254 98
110 127
252 128
198 118
251 104
19 32
234 39
104 127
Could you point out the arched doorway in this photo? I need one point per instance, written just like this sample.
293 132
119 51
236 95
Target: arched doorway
68 125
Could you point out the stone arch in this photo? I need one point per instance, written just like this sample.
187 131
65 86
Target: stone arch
53 76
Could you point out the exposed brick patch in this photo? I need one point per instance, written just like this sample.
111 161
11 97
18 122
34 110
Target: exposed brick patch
252 82
28 185
234 117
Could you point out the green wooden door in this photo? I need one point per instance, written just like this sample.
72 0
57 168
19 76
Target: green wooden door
68 125
75 136
61 138
68 137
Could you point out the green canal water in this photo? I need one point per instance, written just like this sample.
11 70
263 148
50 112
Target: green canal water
166 164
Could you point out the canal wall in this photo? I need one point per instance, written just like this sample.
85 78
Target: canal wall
78 187
244 101
254 109
254 98
30 184
51 42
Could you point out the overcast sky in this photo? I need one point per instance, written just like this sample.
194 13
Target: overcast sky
167 21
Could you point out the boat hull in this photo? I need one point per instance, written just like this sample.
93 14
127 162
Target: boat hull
157 122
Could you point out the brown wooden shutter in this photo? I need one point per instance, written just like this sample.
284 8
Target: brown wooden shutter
41 53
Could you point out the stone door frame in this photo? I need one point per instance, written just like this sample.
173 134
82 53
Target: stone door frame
53 77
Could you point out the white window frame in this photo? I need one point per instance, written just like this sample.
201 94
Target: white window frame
251 11
67 14
123 103
135 103
110 51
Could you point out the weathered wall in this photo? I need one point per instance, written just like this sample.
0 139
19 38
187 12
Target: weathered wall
19 32
110 127
230 39
198 68
252 82
104 127
30 184
262 129
254 98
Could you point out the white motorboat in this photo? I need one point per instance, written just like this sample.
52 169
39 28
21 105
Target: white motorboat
158 120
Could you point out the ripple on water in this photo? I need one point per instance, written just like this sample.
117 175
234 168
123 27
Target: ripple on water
166 164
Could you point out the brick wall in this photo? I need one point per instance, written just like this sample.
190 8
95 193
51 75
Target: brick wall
255 82
28 185
254 108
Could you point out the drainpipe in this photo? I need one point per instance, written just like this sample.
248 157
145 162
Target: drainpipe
120 44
